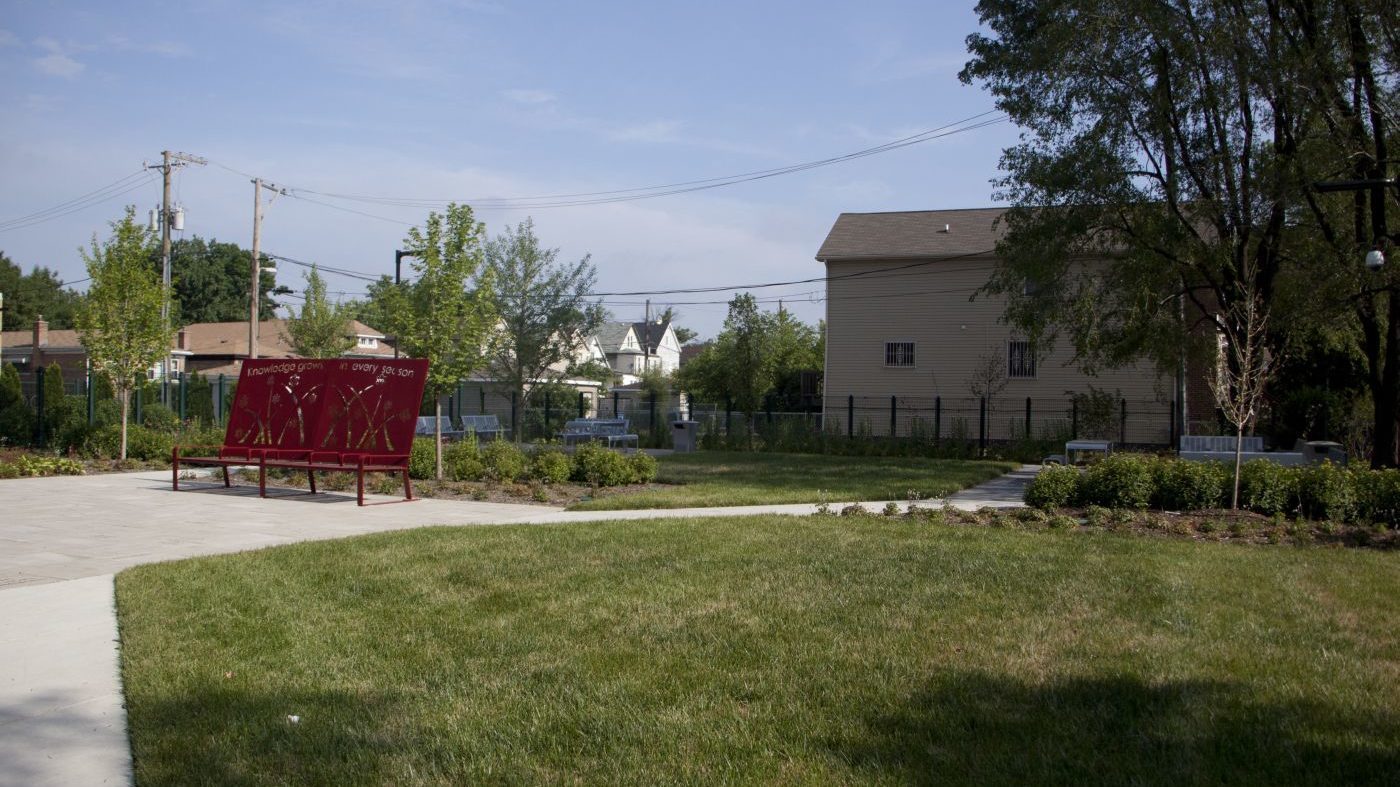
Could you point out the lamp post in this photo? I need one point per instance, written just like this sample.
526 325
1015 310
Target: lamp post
1375 258
399 254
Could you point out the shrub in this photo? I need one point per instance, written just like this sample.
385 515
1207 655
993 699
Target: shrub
1191 486
550 466
1120 481
600 466
1377 496
643 467
46 465
422 459
504 461
460 462
159 418
141 443
1268 488
1054 487
1325 492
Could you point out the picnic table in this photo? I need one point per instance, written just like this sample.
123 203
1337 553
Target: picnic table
319 415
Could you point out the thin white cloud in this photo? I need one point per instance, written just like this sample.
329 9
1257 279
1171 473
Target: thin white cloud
654 131
529 97
120 43
57 62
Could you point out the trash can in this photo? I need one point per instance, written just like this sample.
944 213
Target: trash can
1317 451
683 436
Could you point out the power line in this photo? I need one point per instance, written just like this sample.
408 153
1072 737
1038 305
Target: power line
111 191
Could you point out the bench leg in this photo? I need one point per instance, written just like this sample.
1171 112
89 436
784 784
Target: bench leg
227 483
407 486
262 479
360 485
311 479
175 469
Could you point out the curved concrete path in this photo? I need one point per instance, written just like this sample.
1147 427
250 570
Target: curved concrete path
62 540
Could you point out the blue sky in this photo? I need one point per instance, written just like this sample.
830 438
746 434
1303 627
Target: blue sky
474 99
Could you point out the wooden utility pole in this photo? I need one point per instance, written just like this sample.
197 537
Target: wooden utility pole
257 268
169 160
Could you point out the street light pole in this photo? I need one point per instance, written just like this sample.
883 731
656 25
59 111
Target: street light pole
399 254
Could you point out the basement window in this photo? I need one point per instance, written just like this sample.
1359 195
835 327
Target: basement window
1020 360
899 354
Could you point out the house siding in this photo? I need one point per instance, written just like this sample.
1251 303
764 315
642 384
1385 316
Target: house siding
932 306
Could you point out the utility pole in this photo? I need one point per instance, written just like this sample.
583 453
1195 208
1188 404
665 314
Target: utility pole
169 160
255 292
398 279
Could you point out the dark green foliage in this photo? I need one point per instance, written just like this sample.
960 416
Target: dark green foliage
550 466
422 459
1055 486
56 406
210 280
460 461
1377 496
159 418
600 466
504 461
1325 492
199 399
1267 488
141 443
37 293
1120 481
16 416
1191 486
643 467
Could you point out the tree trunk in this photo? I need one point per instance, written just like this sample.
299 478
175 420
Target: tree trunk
437 432
1239 446
126 402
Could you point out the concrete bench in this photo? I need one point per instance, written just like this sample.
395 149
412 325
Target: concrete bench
613 431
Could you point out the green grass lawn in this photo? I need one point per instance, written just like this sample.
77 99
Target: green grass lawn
794 650
740 478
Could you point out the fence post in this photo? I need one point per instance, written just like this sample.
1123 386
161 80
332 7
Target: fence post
514 421
138 403
39 435
615 415
982 425
1028 418
937 419
655 422
219 402
184 399
850 415
894 405
768 405
580 404
1171 428
91 397
728 415
1123 421
547 408
1074 419
481 400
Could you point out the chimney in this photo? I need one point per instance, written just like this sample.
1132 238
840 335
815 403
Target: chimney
41 332
182 340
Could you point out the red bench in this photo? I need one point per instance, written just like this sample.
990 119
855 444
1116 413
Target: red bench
326 415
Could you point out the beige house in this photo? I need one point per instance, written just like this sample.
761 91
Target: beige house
908 343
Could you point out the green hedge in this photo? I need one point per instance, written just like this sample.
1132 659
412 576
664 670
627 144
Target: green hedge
502 461
1136 481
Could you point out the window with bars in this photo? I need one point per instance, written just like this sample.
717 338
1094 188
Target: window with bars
899 354
1020 360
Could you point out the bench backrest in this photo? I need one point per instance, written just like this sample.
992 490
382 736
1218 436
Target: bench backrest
598 426
425 425
1220 443
371 405
277 403
480 423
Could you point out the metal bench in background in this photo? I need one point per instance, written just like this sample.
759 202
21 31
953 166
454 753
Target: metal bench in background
613 431
483 426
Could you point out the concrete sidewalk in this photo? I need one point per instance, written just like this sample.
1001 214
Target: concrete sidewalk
62 539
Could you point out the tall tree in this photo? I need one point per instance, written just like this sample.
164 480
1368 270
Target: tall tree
40 292
211 278
683 335
321 329
445 314
120 323
542 307
1174 137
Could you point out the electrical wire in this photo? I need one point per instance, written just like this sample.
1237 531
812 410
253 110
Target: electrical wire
111 191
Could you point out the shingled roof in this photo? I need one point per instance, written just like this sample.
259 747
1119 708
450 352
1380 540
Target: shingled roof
915 234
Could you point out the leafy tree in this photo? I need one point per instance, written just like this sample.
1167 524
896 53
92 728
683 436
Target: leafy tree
794 350
1180 138
683 335
373 310
39 292
591 370
748 358
322 329
445 314
56 405
199 399
542 310
210 280
120 323
16 416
